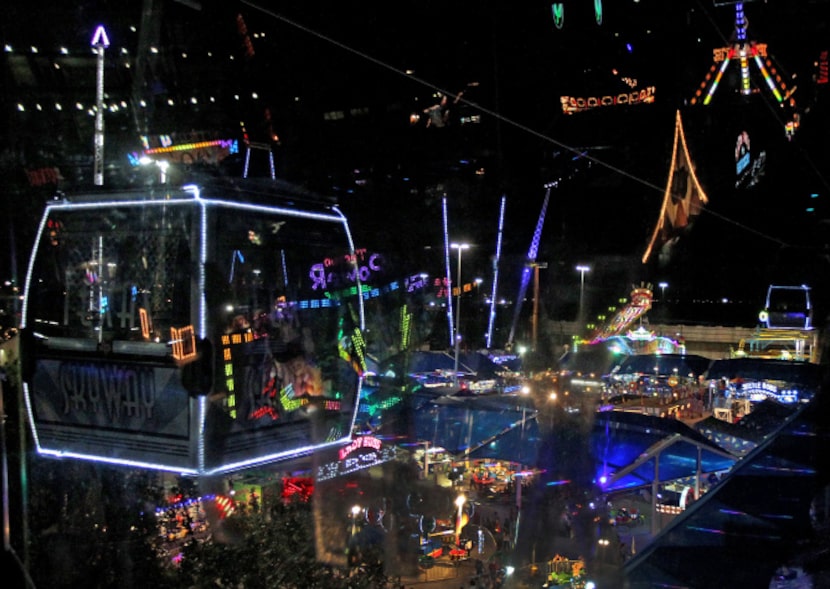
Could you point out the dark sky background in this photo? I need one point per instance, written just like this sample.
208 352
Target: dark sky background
604 215
321 56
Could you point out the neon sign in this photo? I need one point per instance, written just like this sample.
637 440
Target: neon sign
43 176
823 70
100 38
184 341
720 54
442 286
321 277
415 282
350 461
212 151
361 442
572 104
223 143
759 391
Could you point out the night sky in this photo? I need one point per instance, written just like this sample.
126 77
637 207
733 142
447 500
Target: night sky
379 63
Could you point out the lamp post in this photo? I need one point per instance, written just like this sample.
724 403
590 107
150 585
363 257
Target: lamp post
426 458
100 42
582 269
663 286
460 247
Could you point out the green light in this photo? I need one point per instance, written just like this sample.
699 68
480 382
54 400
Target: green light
558 10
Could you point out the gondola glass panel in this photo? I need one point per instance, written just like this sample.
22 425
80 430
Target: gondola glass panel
191 333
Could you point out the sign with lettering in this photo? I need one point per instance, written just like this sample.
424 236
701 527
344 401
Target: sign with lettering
330 274
719 54
360 442
823 69
416 282
43 176
363 452
573 104
761 390
125 397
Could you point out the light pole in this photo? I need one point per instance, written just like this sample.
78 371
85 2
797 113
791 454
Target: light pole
100 42
460 247
582 269
663 286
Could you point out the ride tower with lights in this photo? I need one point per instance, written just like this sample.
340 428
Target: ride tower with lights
748 55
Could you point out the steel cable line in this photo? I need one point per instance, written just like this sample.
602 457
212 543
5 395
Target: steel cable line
494 114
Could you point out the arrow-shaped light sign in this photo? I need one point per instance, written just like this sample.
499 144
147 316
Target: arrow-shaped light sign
100 38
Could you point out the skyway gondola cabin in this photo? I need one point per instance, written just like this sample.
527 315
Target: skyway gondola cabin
787 307
198 330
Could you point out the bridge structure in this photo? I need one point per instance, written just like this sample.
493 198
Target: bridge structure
712 342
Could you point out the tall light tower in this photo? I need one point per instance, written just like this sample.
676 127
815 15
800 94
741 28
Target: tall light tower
100 41
460 247
582 269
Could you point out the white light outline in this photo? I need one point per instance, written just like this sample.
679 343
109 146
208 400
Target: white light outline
194 193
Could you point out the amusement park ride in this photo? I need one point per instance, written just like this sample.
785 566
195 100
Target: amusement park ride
748 55
619 324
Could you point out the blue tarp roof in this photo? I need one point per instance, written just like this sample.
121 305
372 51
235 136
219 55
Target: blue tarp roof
422 362
755 520
620 439
458 424
492 428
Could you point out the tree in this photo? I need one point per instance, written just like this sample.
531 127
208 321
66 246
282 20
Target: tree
271 548
92 526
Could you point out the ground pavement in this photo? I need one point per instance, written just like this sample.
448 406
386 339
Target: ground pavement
605 559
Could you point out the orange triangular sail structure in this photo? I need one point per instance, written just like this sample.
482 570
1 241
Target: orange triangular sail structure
683 199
